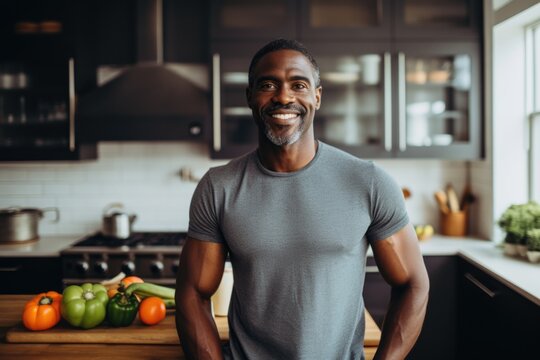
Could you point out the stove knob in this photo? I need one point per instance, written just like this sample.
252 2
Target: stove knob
128 267
156 267
82 266
101 267
175 266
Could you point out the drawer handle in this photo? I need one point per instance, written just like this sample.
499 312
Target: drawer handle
372 269
481 286
10 269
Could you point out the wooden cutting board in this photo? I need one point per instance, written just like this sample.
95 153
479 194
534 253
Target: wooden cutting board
163 333
137 333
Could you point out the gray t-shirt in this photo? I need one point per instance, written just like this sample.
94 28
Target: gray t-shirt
297 242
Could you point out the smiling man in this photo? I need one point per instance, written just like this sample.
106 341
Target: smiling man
296 217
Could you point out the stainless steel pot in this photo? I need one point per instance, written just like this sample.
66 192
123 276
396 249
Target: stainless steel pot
21 224
117 223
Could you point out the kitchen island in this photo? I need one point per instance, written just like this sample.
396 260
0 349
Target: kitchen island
11 307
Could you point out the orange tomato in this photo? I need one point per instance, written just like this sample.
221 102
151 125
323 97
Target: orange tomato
125 282
43 311
152 310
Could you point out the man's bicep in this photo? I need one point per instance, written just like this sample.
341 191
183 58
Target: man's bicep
201 266
398 257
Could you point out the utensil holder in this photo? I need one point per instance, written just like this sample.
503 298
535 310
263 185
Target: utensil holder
454 223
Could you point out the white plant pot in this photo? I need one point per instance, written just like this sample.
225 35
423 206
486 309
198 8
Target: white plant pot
534 256
510 249
522 251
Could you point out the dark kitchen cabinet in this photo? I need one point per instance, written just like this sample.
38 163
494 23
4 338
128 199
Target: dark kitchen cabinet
345 20
494 321
38 74
234 130
438 338
387 91
30 275
114 37
442 19
245 19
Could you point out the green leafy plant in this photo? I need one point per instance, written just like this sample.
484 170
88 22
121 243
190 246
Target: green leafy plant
518 220
533 240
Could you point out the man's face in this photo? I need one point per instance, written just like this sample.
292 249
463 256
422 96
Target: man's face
284 96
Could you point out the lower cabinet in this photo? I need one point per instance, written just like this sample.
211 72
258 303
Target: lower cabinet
470 313
494 321
30 275
438 338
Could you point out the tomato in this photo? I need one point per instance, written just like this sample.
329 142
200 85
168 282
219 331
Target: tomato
152 310
43 311
124 283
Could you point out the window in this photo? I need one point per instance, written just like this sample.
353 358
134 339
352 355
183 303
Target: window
533 107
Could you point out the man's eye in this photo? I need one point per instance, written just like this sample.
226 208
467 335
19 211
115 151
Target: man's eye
267 86
300 86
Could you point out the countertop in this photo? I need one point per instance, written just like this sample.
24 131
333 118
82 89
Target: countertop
45 246
11 307
518 274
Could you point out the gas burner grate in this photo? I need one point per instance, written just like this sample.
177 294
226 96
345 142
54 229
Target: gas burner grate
142 239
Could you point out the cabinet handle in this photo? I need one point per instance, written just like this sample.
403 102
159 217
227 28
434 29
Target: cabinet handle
10 269
372 269
480 286
71 70
401 101
387 102
216 102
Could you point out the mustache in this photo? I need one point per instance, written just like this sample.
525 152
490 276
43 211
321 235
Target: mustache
294 107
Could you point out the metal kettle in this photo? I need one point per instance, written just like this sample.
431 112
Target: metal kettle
116 222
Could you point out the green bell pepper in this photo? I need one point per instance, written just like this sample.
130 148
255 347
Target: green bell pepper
122 309
84 306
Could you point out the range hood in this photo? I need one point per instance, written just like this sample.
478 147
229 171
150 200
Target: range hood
150 100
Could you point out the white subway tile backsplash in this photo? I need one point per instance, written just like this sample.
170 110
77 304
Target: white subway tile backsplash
145 178
20 188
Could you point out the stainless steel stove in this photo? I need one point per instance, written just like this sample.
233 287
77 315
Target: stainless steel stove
153 256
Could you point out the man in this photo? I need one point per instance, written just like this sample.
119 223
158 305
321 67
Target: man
296 217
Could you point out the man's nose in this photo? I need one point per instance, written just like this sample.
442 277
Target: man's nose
283 95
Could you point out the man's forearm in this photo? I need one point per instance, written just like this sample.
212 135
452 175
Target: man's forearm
403 321
196 327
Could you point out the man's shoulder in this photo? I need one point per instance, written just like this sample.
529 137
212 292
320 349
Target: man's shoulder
231 170
340 158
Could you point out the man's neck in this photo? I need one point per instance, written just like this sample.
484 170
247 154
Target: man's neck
287 158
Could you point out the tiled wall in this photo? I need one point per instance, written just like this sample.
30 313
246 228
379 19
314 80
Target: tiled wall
145 178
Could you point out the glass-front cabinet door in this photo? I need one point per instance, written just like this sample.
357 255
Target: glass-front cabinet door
437 106
346 19
233 129
355 113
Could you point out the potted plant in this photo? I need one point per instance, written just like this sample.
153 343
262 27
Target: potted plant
533 245
516 221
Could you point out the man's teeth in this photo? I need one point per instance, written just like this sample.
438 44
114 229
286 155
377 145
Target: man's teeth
284 116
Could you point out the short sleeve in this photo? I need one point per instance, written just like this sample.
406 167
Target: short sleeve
203 219
387 206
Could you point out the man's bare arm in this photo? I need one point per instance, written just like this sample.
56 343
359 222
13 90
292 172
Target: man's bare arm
201 269
402 266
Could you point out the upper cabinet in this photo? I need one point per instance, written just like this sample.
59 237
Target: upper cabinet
441 19
345 19
247 19
401 79
38 83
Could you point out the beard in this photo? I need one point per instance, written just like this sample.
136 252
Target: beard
280 140
287 139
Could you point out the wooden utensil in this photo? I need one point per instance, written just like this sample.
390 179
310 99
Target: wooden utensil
453 202
442 200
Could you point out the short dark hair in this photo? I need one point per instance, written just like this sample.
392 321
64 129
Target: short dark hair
284 44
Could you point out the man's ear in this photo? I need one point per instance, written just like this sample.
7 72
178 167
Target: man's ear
318 97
